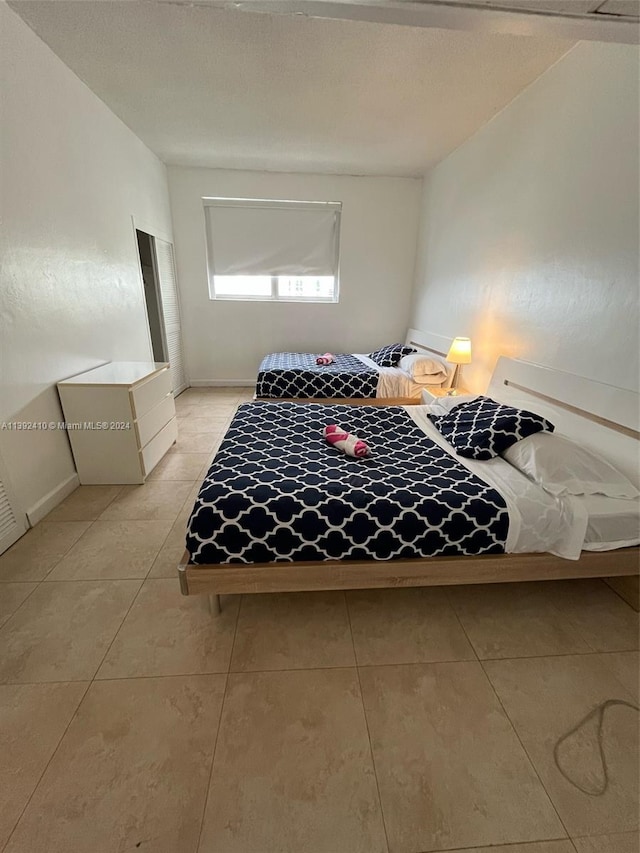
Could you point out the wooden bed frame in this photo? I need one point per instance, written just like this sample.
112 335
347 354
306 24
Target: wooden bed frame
602 417
427 342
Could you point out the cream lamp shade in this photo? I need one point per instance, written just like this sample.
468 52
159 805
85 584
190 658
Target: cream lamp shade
460 351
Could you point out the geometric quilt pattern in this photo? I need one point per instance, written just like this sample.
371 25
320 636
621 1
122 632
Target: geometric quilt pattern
276 491
296 375
390 355
482 429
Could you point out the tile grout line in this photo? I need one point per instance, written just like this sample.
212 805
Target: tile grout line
360 665
157 554
110 579
53 754
567 618
578 835
164 541
11 615
213 757
459 621
91 521
235 632
57 562
152 518
215 742
39 583
301 668
92 680
89 683
525 750
590 650
119 628
563 655
504 711
615 592
366 722
125 521
104 509
490 847
119 678
630 692
229 671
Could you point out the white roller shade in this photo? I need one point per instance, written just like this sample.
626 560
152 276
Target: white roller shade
256 237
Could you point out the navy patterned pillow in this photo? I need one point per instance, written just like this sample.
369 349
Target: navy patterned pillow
482 428
389 356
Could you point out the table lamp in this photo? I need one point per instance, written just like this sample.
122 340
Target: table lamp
459 353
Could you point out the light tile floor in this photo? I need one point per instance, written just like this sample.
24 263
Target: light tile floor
404 721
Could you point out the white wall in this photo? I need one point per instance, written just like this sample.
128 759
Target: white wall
379 226
529 234
71 296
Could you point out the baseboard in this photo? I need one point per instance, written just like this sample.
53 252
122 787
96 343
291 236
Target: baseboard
51 500
222 383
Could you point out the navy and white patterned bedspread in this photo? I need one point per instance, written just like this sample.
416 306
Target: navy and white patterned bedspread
296 374
276 491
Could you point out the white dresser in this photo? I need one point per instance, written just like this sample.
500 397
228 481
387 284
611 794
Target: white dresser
121 420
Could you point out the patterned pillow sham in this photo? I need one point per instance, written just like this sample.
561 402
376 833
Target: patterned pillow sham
390 355
482 429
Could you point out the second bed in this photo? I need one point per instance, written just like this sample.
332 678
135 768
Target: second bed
355 378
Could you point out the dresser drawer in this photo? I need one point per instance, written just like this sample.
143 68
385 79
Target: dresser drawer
148 394
158 446
151 423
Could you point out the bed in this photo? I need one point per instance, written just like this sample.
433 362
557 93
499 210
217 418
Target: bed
280 511
353 378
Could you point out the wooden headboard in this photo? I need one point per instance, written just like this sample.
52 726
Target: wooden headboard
428 342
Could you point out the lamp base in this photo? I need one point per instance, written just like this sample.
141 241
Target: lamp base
453 390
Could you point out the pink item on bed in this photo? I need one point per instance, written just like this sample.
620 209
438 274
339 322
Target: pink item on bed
327 358
349 444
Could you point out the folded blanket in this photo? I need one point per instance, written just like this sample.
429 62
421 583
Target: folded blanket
327 358
350 444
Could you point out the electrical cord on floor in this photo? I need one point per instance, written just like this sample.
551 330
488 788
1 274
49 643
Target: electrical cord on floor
599 711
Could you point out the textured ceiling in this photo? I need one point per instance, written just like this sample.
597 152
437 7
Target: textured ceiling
222 88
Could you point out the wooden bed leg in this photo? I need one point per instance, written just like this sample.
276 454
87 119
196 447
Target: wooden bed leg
182 575
215 607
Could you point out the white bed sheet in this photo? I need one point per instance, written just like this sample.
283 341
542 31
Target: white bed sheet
538 521
611 522
393 382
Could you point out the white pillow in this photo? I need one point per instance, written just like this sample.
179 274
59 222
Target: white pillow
419 366
562 467
428 379
443 405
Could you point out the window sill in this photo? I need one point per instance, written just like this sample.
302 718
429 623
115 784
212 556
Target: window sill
272 301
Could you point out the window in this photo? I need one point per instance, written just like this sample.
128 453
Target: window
264 249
